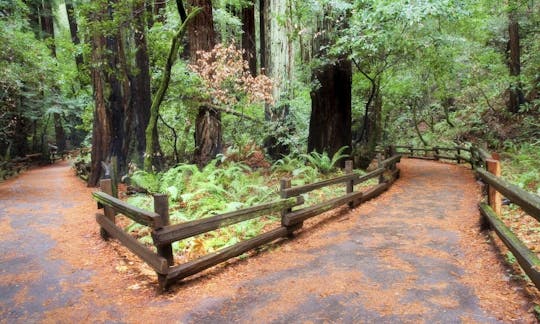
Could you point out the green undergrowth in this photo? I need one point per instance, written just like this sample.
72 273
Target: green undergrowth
224 186
521 166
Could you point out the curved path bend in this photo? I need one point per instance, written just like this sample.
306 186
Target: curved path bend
415 255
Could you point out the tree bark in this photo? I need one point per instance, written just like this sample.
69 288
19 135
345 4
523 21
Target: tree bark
330 121
516 97
248 38
207 135
47 27
111 100
263 7
208 123
164 85
141 97
74 30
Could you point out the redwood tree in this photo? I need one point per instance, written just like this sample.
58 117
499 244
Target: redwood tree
516 97
330 121
248 37
208 122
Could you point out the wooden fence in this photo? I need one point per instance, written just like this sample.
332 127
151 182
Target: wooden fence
487 168
164 234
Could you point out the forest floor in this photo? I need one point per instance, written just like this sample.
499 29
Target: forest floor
415 254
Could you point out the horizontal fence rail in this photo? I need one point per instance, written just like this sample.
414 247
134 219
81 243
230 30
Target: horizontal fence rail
164 234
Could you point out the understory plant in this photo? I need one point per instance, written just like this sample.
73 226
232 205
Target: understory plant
223 186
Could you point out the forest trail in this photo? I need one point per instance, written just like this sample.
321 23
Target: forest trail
414 254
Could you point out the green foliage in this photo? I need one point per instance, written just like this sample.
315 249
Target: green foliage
225 186
323 162
521 164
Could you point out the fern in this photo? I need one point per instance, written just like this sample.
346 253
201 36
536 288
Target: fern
323 162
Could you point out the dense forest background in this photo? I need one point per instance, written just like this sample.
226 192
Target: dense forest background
150 84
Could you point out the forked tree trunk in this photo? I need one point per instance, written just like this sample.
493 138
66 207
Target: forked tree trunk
330 121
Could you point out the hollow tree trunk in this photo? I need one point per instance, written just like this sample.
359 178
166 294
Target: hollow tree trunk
330 121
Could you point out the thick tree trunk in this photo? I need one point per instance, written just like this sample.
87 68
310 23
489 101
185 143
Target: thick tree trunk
102 128
248 38
208 122
111 98
201 29
516 97
207 136
330 121
141 98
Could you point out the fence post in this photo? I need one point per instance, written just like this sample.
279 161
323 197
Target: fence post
161 207
379 165
350 183
436 150
106 186
411 154
494 197
285 183
458 155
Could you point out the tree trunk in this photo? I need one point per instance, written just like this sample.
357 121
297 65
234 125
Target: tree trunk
111 97
47 27
102 128
74 30
263 7
201 29
248 38
141 98
372 128
207 135
208 122
150 132
330 121
516 97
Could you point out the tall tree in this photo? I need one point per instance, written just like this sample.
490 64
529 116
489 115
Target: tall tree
248 37
74 31
516 97
208 122
330 121
47 28
141 98
111 100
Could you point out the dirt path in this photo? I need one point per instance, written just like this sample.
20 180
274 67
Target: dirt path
412 255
